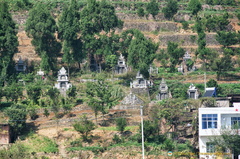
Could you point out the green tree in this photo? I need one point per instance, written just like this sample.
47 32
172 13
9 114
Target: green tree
140 12
212 83
175 54
185 25
72 92
217 23
222 64
171 9
121 124
34 91
100 96
142 50
17 119
152 8
84 126
97 17
41 26
16 151
229 139
13 92
8 42
194 6
150 130
227 38
69 27
169 111
178 90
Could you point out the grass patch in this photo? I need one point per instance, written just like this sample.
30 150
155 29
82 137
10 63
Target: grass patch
113 128
37 143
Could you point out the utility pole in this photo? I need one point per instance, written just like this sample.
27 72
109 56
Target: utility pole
141 108
205 86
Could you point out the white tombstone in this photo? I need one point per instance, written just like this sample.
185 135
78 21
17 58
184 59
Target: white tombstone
163 90
193 92
153 70
186 56
40 73
63 82
140 82
121 66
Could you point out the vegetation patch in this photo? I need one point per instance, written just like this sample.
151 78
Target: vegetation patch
37 143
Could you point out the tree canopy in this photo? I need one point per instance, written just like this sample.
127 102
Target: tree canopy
171 9
8 42
175 54
41 26
152 8
69 27
227 38
194 6
141 53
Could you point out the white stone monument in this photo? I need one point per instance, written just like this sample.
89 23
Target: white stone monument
63 82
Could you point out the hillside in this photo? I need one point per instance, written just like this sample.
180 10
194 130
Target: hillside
170 124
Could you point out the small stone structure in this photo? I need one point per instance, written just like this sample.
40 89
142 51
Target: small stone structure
5 136
131 99
163 91
63 83
140 82
121 66
21 66
193 92
186 56
40 73
153 70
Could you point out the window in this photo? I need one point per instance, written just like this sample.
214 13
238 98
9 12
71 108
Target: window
209 121
235 122
210 147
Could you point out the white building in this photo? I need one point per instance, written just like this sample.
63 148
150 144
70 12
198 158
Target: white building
213 121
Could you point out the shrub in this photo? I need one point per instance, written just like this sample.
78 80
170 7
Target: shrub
84 127
140 12
168 145
185 25
33 113
121 124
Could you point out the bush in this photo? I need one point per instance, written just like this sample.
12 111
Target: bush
140 12
116 139
168 145
121 124
33 113
84 127
185 25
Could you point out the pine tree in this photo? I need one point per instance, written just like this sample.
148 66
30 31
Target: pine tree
194 6
8 42
171 9
143 51
69 27
41 26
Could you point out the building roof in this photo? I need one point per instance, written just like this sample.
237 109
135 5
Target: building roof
210 92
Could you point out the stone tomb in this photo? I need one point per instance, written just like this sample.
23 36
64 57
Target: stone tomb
63 82
21 66
163 91
193 92
121 66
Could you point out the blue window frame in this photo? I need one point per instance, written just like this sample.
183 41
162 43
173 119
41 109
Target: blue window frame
209 121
